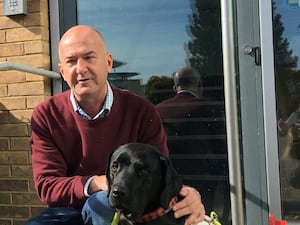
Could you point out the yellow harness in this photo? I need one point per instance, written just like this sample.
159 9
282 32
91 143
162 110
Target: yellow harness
213 219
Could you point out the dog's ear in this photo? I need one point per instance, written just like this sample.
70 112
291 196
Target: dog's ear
171 182
107 171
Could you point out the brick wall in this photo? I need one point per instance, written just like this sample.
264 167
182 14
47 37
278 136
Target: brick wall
23 39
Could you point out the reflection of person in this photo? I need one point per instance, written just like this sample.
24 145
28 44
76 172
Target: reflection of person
74 132
289 142
190 123
284 125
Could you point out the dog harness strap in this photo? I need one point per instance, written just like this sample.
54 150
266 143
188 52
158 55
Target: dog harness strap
116 219
157 213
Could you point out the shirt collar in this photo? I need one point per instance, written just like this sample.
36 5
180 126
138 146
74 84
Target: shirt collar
102 113
188 91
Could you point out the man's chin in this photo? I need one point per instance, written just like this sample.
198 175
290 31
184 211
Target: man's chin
83 92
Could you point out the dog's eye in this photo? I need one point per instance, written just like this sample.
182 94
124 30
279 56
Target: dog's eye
115 167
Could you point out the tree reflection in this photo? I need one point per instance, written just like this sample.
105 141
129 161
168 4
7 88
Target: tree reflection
159 88
287 78
204 50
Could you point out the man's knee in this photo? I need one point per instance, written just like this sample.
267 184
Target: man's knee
97 210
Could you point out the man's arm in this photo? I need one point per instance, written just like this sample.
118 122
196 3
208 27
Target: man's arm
50 168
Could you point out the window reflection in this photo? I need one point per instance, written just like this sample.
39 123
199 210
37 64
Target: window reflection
150 40
286 17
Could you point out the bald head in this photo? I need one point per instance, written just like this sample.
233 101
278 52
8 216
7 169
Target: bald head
80 34
85 64
188 78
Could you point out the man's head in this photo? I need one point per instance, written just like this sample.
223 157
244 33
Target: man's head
188 78
84 61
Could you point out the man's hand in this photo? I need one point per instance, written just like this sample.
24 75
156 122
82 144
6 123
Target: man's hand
190 205
98 183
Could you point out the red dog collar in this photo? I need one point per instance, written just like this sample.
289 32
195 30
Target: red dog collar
157 213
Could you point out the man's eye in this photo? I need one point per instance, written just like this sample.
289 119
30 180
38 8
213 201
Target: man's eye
89 57
71 61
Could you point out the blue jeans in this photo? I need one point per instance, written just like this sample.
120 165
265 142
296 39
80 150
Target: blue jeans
96 211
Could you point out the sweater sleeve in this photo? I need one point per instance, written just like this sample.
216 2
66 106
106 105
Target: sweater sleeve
50 169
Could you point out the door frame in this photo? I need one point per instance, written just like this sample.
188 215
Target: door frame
269 106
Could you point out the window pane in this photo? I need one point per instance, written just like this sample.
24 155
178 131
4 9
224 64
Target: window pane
150 40
286 25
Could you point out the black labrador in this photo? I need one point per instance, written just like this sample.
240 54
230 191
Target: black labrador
143 185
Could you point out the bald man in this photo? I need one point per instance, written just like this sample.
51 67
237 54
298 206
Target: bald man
74 132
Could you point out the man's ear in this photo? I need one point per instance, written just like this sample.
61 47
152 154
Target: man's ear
175 89
60 67
109 61
171 182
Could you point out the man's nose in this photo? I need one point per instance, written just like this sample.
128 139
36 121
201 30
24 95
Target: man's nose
81 66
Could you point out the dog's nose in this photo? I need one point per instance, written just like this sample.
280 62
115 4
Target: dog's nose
117 193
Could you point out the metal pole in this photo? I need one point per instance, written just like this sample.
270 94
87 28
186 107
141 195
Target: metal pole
29 69
230 89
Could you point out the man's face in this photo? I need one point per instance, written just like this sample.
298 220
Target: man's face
84 63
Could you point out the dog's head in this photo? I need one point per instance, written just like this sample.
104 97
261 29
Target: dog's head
140 180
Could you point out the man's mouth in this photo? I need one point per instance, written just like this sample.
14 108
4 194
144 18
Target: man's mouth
83 80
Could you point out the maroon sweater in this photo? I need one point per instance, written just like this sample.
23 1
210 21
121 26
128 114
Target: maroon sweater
68 149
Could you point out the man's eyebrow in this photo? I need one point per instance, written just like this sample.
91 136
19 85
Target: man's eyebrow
85 54
90 52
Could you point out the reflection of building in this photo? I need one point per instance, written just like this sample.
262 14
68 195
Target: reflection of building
120 79
294 2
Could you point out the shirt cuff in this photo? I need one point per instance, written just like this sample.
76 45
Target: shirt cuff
86 186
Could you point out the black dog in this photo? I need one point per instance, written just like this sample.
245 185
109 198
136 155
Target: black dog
143 186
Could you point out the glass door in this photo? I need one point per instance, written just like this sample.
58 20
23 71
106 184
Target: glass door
286 32
150 41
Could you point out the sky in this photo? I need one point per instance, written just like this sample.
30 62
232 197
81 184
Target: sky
291 21
148 35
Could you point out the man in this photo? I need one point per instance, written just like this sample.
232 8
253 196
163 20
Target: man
192 122
74 132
